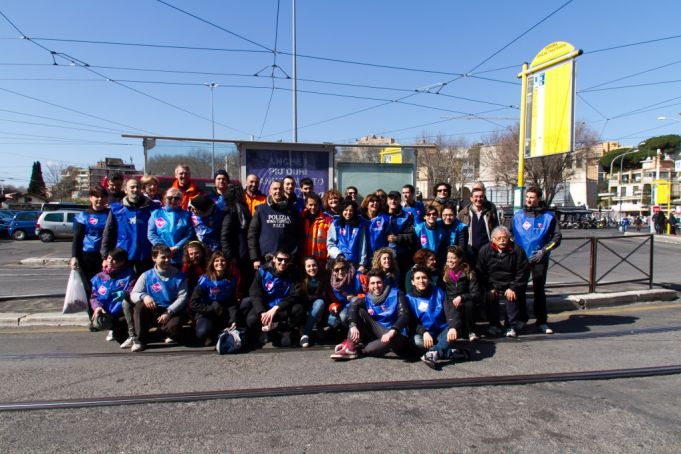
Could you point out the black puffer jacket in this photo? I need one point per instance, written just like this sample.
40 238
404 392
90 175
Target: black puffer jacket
501 270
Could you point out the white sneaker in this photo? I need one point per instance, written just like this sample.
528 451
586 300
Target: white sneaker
169 340
544 328
110 336
137 346
128 342
511 333
304 341
473 337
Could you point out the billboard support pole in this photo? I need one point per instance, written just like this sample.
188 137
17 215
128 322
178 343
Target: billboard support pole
521 133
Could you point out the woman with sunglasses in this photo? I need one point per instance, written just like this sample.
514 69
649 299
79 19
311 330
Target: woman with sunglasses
171 225
430 234
346 285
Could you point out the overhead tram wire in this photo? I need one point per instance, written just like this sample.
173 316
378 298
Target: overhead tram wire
622 87
586 90
103 128
639 43
274 66
85 66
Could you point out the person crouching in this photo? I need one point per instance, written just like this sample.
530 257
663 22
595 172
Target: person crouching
159 297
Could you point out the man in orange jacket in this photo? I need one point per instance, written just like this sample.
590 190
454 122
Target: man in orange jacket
253 195
183 182
316 224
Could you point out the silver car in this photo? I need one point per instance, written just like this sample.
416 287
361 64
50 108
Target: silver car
55 224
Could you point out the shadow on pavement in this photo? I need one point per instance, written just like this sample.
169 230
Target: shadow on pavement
582 323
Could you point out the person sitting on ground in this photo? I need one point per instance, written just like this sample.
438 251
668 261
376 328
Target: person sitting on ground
109 289
384 260
377 223
274 301
427 259
159 298
313 288
461 287
347 237
183 182
126 228
435 323
503 271
215 300
378 321
332 203
345 284
171 225
150 188
207 220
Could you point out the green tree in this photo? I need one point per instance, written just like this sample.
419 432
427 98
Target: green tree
668 144
37 184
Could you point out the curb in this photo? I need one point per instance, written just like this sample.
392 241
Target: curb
30 297
48 261
55 319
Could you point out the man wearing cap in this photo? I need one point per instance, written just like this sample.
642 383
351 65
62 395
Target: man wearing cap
253 195
275 225
183 182
221 181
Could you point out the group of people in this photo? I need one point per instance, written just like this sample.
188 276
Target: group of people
384 272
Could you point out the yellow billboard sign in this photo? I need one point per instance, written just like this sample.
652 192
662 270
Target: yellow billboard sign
662 195
549 102
391 155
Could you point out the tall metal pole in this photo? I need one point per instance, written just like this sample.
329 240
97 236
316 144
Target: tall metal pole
212 85
295 80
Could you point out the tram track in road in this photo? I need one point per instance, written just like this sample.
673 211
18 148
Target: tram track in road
360 387
205 351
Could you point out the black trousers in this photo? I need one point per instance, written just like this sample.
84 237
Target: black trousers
146 318
539 271
371 333
294 316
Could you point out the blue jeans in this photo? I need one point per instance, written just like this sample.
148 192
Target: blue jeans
335 321
313 315
442 346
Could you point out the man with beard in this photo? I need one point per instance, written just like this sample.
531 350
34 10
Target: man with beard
126 228
253 195
275 225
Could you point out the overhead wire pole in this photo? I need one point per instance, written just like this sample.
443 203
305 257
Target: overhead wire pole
295 79
212 85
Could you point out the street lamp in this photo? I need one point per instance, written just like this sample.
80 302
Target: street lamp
212 85
622 155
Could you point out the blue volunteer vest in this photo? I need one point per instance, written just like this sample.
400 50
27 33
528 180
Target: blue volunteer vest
171 226
398 222
353 288
164 293
132 230
417 211
94 227
348 240
377 231
275 287
430 311
387 313
429 239
221 291
531 233
208 229
111 291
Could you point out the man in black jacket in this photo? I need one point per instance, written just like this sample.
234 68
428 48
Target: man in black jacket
502 271
275 225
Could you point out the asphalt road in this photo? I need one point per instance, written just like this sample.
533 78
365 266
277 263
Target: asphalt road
624 415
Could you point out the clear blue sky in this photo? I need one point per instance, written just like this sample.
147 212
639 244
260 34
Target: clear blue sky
438 39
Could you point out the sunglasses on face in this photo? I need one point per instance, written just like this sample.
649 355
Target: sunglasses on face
282 259
173 198
338 270
443 190
430 214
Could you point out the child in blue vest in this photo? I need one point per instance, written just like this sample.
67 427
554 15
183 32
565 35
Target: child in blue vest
159 298
378 320
109 290
436 324
215 300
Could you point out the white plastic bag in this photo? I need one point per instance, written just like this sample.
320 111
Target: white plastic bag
75 299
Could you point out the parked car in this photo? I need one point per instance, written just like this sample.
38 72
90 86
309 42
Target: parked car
55 224
5 218
22 226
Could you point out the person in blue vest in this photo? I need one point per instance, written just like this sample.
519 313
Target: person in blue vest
379 321
401 237
158 298
456 232
87 236
171 225
221 181
274 300
537 231
411 205
431 233
377 223
347 236
207 221
215 300
435 322
109 290
126 228
345 285
275 225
